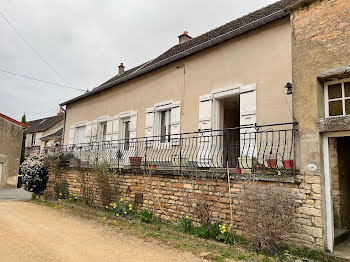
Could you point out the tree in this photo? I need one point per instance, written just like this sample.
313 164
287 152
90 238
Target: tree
23 140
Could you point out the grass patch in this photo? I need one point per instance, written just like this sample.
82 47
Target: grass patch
162 232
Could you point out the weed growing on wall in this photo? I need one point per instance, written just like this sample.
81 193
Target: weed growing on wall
106 183
268 215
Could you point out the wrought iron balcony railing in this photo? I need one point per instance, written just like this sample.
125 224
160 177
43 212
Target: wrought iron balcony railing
245 149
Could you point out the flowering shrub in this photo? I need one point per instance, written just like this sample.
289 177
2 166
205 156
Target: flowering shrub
226 235
121 208
73 197
34 174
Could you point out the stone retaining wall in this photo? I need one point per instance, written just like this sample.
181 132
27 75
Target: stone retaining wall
170 194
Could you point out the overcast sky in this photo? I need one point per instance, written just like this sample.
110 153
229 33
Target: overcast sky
86 40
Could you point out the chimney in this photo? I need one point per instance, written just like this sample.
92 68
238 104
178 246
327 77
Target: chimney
184 37
61 112
121 69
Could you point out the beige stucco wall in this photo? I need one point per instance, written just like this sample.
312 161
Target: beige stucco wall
262 56
10 152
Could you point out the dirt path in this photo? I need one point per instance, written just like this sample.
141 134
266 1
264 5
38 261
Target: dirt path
30 232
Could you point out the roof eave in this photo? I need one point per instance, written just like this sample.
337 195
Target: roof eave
236 32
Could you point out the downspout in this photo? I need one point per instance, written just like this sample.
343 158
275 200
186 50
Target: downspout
64 124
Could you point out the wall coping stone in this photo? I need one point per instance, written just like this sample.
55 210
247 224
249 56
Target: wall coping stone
282 178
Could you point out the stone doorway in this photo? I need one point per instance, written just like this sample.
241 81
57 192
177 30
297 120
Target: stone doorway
339 152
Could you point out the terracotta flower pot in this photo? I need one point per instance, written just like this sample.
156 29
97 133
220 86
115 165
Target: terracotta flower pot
271 162
288 164
135 160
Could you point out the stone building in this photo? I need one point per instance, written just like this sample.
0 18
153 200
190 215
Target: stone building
264 96
321 88
10 150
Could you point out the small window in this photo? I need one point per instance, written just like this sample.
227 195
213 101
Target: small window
33 139
126 133
165 125
79 135
337 98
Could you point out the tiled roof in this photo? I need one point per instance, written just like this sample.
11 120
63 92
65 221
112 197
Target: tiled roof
220 34
43 124
57 134
13 120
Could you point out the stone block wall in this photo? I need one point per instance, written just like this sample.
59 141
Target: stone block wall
170 194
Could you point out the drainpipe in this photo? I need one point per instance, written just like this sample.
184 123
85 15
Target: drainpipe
64 124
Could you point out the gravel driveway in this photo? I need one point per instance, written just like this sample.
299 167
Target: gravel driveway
30 232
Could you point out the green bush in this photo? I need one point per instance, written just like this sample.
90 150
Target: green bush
146 216
121 208
63 191
186 223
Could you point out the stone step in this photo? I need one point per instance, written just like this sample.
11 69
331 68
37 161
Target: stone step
340 236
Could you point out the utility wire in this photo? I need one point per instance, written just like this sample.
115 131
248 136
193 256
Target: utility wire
42 59
43 81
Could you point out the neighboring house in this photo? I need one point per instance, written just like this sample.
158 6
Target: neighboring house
10 150
44 132
229 84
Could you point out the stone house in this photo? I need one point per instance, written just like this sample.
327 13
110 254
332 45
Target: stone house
10 150
265 95
44 132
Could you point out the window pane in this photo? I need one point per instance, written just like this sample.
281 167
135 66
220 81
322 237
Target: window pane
347 106
335 108
347 89
163 126
126 135
334 91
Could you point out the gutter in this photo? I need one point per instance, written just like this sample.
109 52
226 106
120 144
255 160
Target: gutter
64 125
231 34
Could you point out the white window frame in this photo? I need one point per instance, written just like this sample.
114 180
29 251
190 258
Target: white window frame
343 98
103 127
158 121
123 122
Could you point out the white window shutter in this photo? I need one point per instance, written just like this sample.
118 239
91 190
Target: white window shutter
149 122
115 130
94 131
248 117
71 135
175 122
109 129
205 112
204 123
133 124
88 132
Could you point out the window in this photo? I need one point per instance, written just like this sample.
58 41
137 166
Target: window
126 133
33 139
337 98
104 131
79 135
165 125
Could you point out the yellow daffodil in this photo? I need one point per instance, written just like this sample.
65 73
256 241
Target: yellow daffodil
130 208
106 207
70 199
186 217
130 205
121 199
182 213
117 215
125 212
104 218
115 221
60 194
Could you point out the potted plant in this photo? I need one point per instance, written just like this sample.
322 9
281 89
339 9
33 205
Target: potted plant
288 164
135 161
119 155
271 162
